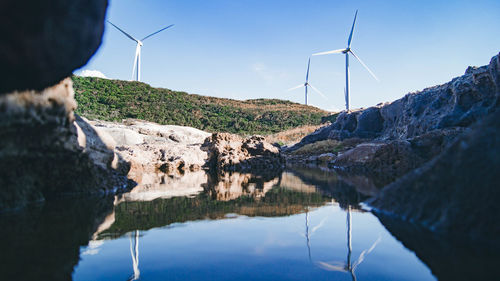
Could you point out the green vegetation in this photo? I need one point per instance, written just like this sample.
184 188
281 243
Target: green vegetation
320 147
163 212
115 100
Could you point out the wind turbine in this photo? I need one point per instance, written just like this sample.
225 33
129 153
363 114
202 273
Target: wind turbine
306 84
348 51
137 60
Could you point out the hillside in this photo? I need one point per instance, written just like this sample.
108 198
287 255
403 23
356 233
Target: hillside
114 100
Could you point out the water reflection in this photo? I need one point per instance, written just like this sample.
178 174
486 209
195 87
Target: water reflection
225 227
347 266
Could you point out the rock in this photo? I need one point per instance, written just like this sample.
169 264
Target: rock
456 104
389 160
156 151
40 152
229 152
457 191
326 158
43 42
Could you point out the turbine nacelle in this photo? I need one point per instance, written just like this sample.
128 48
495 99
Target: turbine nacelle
137 60
348 51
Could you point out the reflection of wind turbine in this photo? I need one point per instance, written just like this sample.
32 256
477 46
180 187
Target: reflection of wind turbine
306 84
137 59
308 233
346 51
348 266
134 252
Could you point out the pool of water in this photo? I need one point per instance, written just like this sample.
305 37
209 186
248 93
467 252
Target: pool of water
302 224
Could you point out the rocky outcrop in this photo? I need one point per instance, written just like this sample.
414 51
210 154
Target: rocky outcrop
457 104
388 160
155 151
229 152
41 155
44 41
457 191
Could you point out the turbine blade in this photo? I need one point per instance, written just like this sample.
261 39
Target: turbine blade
329 52
301 85
156 32
308 64
126 34
317 91
352 30
362 63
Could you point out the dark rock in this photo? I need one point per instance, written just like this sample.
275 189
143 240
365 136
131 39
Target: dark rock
449 257
40 154
389 160
457 104
456 192
44 41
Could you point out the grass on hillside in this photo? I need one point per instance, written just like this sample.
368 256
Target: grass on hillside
320 147
115 100
292 136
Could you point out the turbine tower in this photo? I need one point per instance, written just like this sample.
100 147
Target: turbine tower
348 51
306 84
137 59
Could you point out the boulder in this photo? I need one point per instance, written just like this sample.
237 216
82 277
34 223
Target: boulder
228 152
44 41
41 154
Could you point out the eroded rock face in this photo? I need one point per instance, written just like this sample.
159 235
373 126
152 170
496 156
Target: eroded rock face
457 191
44 41
388 160
233 153
40 155
457 104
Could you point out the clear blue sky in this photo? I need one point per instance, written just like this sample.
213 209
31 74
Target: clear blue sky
245 49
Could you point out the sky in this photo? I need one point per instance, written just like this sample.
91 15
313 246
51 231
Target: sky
248 49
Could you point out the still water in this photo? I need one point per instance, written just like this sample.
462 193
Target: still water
298 225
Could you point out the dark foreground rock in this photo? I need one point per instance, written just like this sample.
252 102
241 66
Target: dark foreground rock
43 156
458 191
44 41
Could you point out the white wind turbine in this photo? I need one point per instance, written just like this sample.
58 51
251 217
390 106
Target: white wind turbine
137 59
306 84
346 51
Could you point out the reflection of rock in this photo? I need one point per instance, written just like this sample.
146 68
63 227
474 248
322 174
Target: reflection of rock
42 43
450 257
189 184
40 152
234 185
346 189
292 182
43 242
233 153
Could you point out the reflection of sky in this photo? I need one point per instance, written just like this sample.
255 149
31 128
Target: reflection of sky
258 248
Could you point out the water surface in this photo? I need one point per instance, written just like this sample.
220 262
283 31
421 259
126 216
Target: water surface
302 224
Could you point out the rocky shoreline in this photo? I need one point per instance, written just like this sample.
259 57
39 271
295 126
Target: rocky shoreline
435 150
